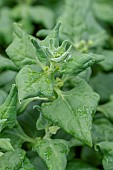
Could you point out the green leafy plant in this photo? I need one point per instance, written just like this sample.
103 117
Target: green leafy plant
56 91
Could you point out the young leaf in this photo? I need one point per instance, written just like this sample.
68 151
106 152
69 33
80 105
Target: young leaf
32 82
71 113
8 109
53 152
21 50
42 122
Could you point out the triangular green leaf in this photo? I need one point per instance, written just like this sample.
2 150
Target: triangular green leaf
33 82
73 110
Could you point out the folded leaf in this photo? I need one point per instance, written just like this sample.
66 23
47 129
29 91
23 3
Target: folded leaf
8 108
53 152
32 82
73 110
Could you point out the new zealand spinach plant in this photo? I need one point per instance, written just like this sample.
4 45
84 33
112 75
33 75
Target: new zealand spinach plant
55 107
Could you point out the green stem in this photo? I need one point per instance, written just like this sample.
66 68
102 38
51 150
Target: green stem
47 134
